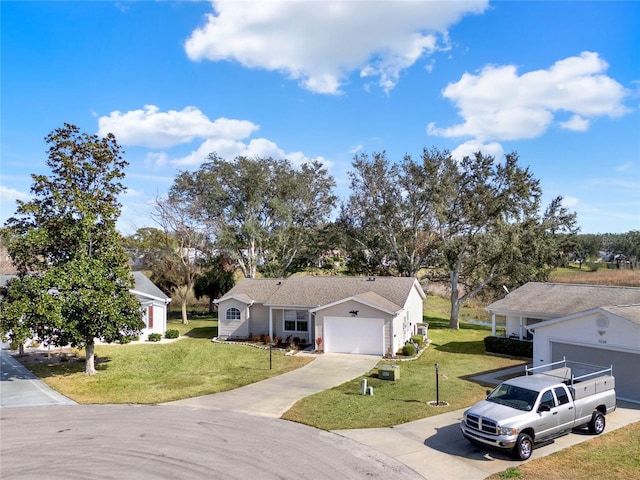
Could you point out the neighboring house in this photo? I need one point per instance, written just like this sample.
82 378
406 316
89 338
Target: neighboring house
366 315
593 324
155 303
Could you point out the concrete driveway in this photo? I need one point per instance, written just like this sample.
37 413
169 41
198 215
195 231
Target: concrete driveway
435 448
20 388
274 396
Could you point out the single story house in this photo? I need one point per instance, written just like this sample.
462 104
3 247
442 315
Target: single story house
155 303
365 315
593 324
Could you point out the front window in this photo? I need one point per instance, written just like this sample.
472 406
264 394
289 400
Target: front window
233 314
296 321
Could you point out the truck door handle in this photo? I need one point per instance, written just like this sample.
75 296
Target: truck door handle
570 408
555 413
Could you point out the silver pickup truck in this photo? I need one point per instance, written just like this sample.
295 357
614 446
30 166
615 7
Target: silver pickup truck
549 401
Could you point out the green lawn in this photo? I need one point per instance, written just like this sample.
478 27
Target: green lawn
154 373
458 354
192 366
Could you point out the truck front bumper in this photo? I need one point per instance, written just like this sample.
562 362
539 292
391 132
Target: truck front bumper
506 442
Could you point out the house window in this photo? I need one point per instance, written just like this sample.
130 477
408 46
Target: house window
233 314
296 321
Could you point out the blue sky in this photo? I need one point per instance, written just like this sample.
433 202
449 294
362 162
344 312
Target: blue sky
558 82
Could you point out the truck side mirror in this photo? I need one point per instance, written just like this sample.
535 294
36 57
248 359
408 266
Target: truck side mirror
488 392
544 408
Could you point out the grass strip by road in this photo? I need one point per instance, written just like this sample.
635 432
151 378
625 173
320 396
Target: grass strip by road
154 373
611 455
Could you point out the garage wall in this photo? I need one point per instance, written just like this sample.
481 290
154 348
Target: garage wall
354 335
594 338
415 308
626 366
364 311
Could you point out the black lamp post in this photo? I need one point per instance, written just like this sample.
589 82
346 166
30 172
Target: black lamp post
437 387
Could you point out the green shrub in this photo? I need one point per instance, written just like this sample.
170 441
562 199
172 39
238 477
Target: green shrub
508 346
417 339
155 337
172 333
126 339
409 350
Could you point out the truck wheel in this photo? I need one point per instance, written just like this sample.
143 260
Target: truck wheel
524 447
597 423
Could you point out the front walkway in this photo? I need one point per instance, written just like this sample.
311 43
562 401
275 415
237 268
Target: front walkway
274 396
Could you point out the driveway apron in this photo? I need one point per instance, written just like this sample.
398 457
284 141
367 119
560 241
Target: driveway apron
20 388
274 396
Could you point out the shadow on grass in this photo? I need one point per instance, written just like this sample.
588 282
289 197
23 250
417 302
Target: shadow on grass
44 367
473 348
202 332
438 323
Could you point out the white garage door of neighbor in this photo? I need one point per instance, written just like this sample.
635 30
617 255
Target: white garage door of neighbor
354 335
625 365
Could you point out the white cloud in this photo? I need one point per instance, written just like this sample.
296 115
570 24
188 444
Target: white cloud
499 104
229 149
576 123
228 138
11 195
468 149
321 43
155 129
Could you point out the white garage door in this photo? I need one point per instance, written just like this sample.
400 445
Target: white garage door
354 335
626 366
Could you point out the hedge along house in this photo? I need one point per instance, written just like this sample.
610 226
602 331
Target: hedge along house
593 324
365 315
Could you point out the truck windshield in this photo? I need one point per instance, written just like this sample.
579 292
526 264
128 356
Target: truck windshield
512 396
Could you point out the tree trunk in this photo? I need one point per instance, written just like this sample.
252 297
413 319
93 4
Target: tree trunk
89 362
454 318
183 307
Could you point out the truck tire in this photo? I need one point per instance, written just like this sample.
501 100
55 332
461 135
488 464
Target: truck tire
524 447
597 423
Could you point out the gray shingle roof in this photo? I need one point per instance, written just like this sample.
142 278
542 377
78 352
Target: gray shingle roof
142 285
146 286
311 291
559 299
630 312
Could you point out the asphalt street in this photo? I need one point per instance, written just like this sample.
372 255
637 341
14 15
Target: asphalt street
166 442
238 434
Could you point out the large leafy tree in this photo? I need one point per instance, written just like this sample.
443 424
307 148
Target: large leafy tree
74 282
477 220
389 213
259 210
